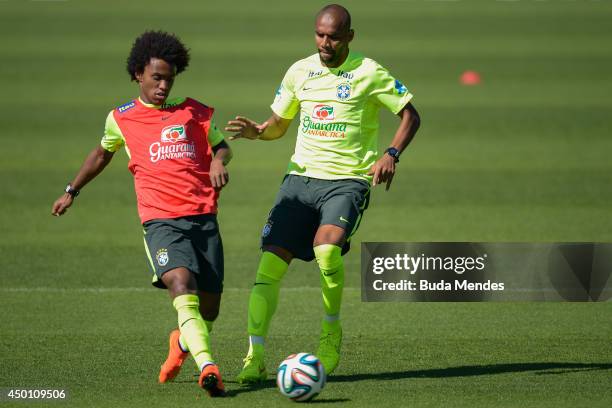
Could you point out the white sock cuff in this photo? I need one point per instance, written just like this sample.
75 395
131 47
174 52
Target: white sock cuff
256 340
205 363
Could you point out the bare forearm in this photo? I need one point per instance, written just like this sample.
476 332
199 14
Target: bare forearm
272 132
245 128
95 162
408 127
223 153
275 129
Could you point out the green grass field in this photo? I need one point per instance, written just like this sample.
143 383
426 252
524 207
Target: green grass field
525 156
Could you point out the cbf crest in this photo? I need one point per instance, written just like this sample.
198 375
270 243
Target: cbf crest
162 257
400 88
266 229
343 91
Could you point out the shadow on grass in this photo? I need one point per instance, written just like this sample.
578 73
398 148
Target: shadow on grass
328 400
272 384
469 371
250 388
449 372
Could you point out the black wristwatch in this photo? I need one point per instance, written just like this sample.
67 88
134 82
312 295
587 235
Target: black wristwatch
71 191
393 152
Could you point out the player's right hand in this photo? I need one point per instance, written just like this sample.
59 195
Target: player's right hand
245 128
218 174
62 204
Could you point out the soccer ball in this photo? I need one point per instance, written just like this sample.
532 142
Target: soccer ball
300 377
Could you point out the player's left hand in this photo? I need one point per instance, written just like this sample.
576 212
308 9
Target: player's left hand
383 171
219 176
245 128
61 205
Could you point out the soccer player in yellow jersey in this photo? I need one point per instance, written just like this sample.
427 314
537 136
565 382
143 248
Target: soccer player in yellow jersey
338 94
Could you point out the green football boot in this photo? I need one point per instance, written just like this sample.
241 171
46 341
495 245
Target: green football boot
254 370
329 346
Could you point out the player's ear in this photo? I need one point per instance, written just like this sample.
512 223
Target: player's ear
351 35
138 76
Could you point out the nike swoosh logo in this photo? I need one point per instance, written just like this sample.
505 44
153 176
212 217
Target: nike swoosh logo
165 117
185 322
343 219
260 283
306 89
330 274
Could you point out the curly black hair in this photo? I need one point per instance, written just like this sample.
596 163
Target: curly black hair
160 45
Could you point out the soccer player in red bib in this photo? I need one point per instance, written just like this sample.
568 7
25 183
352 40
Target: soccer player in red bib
178 158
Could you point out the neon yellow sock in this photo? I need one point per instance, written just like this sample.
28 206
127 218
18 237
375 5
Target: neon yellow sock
264 295
193 328
183 342
329 258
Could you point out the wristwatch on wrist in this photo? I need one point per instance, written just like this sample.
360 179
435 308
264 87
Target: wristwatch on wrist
71 191
393 152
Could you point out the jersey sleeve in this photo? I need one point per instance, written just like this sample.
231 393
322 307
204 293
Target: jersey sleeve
388 91
113 139
286 105
214 134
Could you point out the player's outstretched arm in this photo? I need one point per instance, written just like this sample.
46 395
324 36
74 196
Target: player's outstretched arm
95 162
244 128
384 168
219 176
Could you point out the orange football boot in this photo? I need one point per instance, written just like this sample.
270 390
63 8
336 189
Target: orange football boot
210 380
176 357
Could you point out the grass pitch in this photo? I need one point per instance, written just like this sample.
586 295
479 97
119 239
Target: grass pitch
522 157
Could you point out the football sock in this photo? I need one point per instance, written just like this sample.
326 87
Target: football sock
332 318
330 326
256 344
329 258
264 295
183 342
204 364
255 340
193 328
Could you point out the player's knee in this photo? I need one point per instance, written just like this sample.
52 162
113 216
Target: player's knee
330 234
271 268
284 254
328 256
179 287
180 282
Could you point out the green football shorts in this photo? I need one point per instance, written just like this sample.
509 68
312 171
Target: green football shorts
192 242
304 203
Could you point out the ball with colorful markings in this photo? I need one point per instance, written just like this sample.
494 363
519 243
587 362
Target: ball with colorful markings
300 377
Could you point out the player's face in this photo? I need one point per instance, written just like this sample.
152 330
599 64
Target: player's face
156 81
332 40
